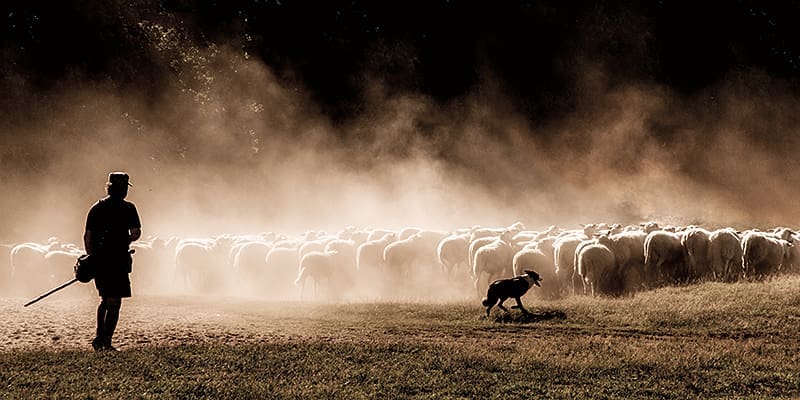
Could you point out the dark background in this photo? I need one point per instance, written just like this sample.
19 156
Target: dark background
438 48
301 114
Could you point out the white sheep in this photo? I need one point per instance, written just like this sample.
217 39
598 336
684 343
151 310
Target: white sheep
452 253
664 258
725 252
533 258
596 265
477 232
320 267
564 256
201 264
763 254
628 248
250 261
28 270
369 256
281 266
695 242
400 256
494 259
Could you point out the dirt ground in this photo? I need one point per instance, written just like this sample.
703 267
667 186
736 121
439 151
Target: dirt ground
68 323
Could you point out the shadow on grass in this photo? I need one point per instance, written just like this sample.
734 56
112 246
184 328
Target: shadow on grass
519 317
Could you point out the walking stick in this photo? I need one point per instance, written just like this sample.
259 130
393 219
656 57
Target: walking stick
51 291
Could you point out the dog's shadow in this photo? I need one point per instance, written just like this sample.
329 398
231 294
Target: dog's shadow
530 317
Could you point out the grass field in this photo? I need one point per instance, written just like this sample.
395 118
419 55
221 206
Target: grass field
701 341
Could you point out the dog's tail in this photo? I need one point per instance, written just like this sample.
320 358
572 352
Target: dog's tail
489 300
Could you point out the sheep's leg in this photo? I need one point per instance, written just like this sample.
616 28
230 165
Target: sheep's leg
729 275
476 283
302 285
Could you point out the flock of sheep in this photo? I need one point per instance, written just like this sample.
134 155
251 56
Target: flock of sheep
595 259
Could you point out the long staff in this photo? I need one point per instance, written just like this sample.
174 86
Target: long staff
51 291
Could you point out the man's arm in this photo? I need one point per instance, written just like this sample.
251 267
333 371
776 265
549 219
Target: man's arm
87 241
136 233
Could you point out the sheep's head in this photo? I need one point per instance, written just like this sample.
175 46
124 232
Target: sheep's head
516 227
537 280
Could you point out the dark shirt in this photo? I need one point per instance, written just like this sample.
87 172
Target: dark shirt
110 220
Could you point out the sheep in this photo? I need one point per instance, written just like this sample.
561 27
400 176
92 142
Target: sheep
452 253
344 254
28 270
546 246
792 263
250 261
369 255
605 241
320 267
313 245
343 257
664 258
478 232
532 258
359 236
763 254
377 234
495 259
725 252
695 242
474 246
399 256
370 266
153 259
406 233
628 248
281 264
59 264
200 264
427 247
564 255
596 265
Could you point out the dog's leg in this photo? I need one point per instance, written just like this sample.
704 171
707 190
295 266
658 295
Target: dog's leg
519 305
502 307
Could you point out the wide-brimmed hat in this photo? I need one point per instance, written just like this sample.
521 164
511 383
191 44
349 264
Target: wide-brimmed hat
119 178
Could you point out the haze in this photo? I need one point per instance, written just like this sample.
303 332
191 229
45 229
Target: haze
229 148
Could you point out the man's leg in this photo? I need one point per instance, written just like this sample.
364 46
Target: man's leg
99 337
113 305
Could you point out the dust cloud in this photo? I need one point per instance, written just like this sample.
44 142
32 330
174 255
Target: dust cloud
226 147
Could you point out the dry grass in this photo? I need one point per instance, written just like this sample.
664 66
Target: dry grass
700 341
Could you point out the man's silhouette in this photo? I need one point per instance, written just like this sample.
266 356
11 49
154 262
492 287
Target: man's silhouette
112 224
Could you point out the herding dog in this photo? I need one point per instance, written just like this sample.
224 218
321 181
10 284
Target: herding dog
504 289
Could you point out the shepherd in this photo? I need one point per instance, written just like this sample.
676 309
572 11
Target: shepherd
111 225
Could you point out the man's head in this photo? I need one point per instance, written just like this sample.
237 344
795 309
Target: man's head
117 185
